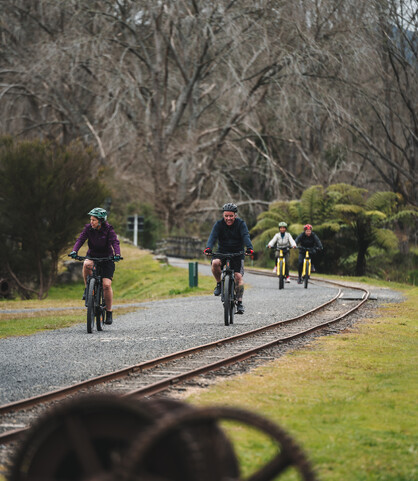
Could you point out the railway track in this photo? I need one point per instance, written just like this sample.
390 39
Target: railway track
168 372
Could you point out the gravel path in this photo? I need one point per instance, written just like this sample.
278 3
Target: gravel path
52 359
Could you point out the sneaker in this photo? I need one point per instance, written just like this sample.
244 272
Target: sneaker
84 294
108 319
313 268
275 269
217 289
300 281
240 308
287 279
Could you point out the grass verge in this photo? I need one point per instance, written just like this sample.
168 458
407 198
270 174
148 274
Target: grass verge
350 400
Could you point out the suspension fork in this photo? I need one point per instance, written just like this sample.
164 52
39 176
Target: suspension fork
306 265
281 258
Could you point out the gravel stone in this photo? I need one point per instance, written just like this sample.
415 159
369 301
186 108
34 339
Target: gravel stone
49 360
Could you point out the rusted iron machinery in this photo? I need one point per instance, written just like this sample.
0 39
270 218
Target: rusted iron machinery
109 438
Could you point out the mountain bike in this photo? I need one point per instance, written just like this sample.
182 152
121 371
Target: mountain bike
228 294
281 266
95 303
307 265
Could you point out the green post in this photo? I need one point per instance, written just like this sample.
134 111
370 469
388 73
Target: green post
192 274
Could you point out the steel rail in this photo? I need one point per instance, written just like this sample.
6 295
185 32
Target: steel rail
65 391
168 382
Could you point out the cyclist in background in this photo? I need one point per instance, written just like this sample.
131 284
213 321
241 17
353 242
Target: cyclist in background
283 240
103 242
232 235
310 240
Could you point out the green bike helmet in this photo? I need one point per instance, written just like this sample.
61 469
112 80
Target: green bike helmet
282 224
100 213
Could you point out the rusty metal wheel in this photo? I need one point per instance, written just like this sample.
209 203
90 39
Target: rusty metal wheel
196 452
169 432
81 440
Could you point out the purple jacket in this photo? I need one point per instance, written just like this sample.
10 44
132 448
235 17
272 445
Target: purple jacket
102 243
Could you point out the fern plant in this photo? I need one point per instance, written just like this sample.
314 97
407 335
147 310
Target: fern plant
348 220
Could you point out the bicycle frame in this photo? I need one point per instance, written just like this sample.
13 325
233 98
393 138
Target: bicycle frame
228 294
96 274
226 271
95 303
306 265
281 262
281 266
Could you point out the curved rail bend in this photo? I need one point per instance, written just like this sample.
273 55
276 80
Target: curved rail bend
166 383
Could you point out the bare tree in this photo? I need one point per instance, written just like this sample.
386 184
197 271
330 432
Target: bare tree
192 103
367 87
195 72
169 79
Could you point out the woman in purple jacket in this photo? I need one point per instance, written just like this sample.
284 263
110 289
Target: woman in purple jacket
103 242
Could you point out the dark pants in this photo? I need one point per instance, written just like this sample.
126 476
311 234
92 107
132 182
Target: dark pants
237 263
107 269
287 260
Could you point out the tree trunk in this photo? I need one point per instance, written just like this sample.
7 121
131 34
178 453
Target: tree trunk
361 261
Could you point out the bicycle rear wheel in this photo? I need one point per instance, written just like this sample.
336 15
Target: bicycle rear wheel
280 273
226 297
100 309
90 305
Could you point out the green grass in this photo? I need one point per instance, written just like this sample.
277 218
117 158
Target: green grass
138 278
141 278
23 326
350 400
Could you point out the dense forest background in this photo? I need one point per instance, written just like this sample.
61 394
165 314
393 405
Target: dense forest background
189 104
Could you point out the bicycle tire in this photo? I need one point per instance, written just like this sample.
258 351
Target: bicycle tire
281 276
306 278
100 310
226 297
232 302
90 306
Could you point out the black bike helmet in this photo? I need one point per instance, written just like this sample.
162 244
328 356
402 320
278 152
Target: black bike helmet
230 207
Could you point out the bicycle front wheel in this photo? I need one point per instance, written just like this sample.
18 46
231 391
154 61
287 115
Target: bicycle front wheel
100 309
306 278
226 297
90 305
281 274
232 302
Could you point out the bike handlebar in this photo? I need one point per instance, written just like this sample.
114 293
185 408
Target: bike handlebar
96 259
231 254
309 249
